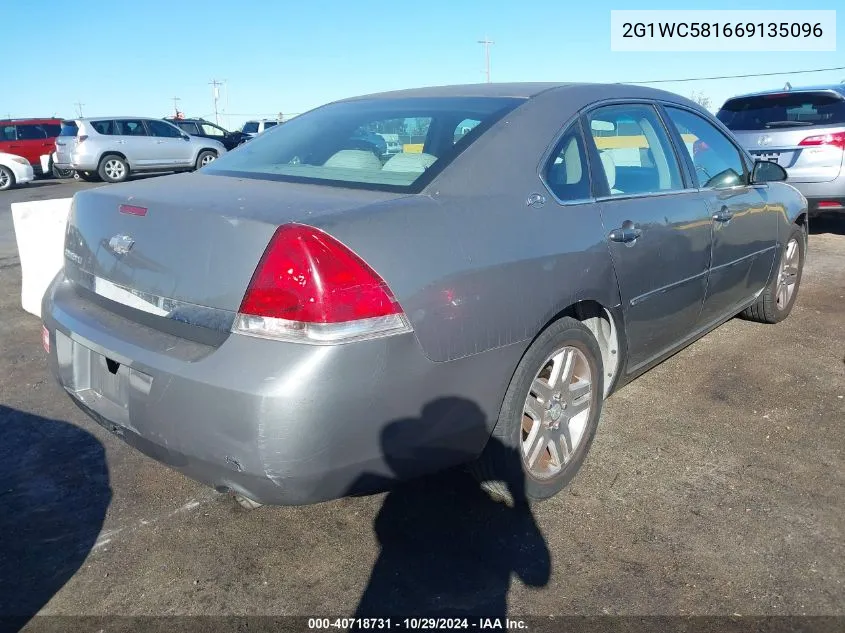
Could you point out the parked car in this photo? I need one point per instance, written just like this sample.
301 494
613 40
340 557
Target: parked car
206 129
110 148
392 144
254 128
30 138
300 321
802 130
14 170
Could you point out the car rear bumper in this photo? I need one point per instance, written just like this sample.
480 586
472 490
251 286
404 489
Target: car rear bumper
821 192
281 423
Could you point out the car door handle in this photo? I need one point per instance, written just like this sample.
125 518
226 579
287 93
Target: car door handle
159 142
121 142
625 234
723 215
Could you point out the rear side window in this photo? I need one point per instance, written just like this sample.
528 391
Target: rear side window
69 128
104 127
188 127
31 133
567 174
51 129
783 110
717 161
269 124
636 154
250 127
465 127
7 133
130 127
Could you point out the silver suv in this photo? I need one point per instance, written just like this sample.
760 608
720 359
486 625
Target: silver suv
801 129
110 148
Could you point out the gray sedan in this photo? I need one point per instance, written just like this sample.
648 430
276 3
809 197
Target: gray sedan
308 318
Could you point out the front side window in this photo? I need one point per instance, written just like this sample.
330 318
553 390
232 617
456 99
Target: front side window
345 143
567 174
250 127
131 127
212 130
163 130
636 154
31 133
716 160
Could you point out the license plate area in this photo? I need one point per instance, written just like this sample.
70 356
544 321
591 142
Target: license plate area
103 384
772 157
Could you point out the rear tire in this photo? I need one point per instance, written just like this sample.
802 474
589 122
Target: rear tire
778 299
7 178
113 168
552 405
205 157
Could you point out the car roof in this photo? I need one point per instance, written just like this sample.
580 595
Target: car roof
30 120
838 88
117 118
524 90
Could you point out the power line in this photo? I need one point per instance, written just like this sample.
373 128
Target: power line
788 72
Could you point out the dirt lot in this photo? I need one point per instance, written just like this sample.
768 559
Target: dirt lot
716 485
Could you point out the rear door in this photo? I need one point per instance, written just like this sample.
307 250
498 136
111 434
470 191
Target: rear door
171 147
802 131
656 225
31 142
139 147
744 228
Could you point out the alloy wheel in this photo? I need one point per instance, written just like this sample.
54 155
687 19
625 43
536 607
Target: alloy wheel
788 274
114 169
556 412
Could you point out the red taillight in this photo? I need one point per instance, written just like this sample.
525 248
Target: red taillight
131 209
828 204
81 138
837 139
45 339
309 286
699 146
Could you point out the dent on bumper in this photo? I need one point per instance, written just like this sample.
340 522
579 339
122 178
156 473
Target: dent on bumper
286 423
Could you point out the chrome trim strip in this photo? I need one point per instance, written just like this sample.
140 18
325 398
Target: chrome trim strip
744 257
639 299
165 307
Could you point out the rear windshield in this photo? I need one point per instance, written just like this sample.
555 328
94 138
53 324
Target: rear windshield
783 110
341 144
68 129
250 127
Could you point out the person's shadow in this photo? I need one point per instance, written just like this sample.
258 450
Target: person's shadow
54 492
447 548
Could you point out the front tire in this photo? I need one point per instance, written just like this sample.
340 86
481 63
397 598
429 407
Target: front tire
113 168
778 299
205 157
7 178
548 418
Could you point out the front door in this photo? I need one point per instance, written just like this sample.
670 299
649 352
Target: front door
171 147
744 230
657 228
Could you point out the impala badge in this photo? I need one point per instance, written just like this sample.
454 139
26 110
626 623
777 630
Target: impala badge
121 244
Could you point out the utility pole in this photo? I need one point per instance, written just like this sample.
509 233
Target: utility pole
176 101
79 108
215 94
486 43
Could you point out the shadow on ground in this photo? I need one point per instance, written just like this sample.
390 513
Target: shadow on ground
828 223
447 548
54 492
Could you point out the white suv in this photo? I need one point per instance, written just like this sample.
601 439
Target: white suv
254 128
110 148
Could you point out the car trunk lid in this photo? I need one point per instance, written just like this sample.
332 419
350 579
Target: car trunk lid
186 246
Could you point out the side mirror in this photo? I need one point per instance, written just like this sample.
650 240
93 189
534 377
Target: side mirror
185 137
767 171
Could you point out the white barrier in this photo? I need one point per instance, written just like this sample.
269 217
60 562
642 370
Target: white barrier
40 233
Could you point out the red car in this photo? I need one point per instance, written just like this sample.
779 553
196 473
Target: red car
30 138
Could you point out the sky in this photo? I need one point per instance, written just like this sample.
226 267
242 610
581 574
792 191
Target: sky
133 57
